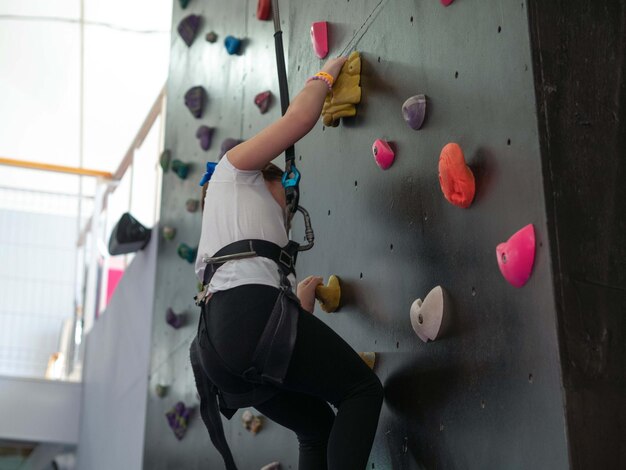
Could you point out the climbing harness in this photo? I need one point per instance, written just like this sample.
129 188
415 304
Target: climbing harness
291 177
273 351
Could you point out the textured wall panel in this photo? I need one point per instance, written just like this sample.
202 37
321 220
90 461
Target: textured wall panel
489 394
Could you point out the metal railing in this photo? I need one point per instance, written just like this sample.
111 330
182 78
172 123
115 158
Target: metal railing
91 218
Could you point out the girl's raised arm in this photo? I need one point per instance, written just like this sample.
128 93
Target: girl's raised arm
302 114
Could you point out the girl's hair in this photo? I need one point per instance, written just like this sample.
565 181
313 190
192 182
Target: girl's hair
270 173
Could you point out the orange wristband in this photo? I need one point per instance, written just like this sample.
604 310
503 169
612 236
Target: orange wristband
325 77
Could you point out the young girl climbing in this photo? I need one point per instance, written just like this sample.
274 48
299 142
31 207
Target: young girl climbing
258 343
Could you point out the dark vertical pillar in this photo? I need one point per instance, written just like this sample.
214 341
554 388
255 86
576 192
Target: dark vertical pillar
579 67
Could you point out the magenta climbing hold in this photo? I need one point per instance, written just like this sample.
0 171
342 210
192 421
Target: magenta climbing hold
188 28
178 419
175 320
383 154
446 3
414 111
319 38
263 100
194 100
205 135
228 144
516 256
264 10
427 317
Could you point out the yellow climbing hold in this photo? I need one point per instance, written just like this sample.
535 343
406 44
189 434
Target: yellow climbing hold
369 358
346 92
329 296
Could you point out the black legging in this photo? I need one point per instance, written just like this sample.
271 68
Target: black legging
323 368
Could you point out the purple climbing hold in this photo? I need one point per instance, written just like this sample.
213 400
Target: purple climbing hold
194 100
414 111
228 144
178 419
263 100
188 28
175 320
205 134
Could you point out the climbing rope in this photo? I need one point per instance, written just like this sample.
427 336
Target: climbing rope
291 177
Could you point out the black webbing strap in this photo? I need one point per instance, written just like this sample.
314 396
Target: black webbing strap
209 409
291 190
284 257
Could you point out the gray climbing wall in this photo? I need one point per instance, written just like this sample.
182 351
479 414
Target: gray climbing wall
486 396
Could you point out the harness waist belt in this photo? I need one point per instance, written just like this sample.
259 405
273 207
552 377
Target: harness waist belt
284 257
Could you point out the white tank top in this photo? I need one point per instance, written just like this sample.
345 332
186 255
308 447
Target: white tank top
239 206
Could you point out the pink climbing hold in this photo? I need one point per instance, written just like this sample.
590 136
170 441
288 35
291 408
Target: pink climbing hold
517 255
319 37
446 3
383 154
263 100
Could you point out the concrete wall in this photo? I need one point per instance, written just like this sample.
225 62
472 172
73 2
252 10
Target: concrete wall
38 410
488 395
115 371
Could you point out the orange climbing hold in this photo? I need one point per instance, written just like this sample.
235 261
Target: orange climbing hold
455 177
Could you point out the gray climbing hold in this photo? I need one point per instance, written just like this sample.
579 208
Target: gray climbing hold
192 205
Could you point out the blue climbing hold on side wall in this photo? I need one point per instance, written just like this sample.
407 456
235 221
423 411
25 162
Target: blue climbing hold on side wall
232 44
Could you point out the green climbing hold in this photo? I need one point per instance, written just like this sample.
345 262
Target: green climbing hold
169 232
184 3
187 253
164 160
160 390
180 168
